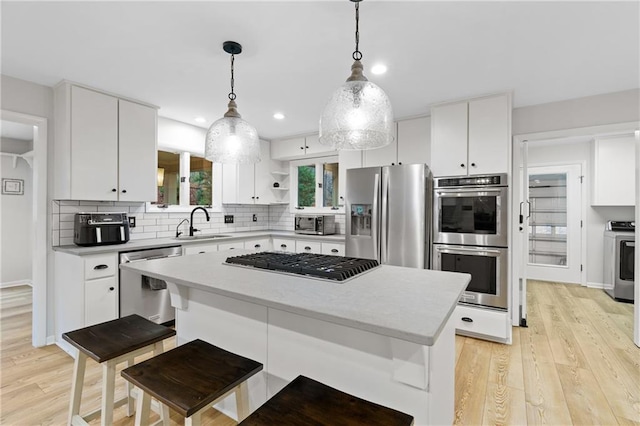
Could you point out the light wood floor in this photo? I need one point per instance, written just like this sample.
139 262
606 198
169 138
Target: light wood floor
575 364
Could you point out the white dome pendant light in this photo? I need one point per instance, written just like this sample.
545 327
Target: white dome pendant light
358 114
231 140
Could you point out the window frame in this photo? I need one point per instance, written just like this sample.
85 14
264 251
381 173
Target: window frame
185 171
318 162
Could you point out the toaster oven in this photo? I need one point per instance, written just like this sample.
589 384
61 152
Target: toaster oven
315 224
96 229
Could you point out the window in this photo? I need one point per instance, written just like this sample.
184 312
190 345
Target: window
202 188
316 183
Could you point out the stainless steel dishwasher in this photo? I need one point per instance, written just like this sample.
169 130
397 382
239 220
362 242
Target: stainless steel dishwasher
146 296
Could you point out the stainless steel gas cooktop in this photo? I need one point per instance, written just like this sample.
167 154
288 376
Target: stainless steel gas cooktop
336 268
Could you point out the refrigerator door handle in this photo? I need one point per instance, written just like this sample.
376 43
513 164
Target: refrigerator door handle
374 215
384 221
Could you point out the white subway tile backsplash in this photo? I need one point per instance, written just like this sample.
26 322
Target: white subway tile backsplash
142 236
65 241
68 208
69 203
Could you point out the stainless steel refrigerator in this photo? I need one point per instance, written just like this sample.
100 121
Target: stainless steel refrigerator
388 214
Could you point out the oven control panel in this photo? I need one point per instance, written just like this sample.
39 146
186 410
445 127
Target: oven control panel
493 180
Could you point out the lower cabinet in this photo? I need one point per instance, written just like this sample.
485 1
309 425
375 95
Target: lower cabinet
234 245
334 249
198 249
260 244
283 244
483 323
303 246
86 292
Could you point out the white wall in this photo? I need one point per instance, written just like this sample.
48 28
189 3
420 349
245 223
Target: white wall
34 99
543 153
15 217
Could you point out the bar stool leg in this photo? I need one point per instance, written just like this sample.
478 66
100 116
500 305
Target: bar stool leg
108 391
158 348
143 408
76 385
242 400
129 388
194 420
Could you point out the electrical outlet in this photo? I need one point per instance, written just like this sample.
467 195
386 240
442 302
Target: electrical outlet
228 218
132 221
255 217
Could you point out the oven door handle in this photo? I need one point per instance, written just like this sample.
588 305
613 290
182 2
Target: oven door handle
477 252
629 243
467 190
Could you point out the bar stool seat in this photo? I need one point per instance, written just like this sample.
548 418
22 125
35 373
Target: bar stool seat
111 343
191 378
305 402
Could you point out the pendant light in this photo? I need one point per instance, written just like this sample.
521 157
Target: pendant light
358 114
231 139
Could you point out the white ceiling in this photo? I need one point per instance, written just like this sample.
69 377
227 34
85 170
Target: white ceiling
297 53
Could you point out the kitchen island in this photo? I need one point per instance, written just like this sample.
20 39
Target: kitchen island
384 335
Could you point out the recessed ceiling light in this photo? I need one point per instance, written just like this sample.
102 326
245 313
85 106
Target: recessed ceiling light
379 69
200 120
278 116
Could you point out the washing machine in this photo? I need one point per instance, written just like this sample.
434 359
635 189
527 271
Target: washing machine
619 260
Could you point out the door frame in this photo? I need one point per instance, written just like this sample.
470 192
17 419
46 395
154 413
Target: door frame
40 234
519 285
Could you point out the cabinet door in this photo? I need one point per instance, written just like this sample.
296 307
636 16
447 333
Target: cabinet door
347 160
333 249
100 300
259 244
94 145
414 141
313 147
263 183
281 244
238 184
231 246
286 149
385 156
614 172
137 152
489 135
449 127
303 246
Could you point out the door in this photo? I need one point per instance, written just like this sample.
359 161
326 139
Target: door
555 222
363 213
404 216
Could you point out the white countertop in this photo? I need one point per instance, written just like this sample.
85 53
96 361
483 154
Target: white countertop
404 303
167 242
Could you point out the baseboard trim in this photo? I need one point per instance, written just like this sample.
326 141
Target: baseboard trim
595 285
16 283
51 340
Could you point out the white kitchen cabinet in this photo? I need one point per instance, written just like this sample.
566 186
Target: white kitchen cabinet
414 141
613 165
283 244
199 248
471 137
234 245
346 160
384 156
299 148
306 246
105 146
258 244
334 249
251 183
85 292
483 323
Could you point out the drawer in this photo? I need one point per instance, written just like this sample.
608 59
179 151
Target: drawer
308 246
262 244
334 249
485 322
281 244
231 246
205 248
100 266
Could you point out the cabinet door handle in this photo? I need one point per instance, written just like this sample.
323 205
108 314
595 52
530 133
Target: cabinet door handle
283 246
256 246
257 198
253 198
200 252
334 250
124 190
466 319
307 248
462 165
302 147
393 164
111 288
306 147
98 267
114 190
473 164
400 163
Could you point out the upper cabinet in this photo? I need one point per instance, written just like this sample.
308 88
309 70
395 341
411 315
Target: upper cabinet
613 171
105 146
253 183
471 137
299 148
411 145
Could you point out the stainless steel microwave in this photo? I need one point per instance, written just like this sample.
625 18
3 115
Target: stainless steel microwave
314 224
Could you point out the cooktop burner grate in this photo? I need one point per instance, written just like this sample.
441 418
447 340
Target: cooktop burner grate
337 268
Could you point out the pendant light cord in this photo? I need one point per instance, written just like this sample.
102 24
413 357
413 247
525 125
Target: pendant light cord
357 55
232 95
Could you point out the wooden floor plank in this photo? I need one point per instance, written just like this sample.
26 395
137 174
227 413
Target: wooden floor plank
472 374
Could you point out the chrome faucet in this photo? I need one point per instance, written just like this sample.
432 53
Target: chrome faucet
191 228
178 232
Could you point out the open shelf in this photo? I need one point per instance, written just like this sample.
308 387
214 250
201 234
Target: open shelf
277 173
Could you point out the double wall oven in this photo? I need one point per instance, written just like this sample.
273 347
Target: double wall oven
471 235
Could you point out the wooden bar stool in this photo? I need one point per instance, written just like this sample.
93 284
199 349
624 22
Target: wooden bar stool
191 378
111 343
307 402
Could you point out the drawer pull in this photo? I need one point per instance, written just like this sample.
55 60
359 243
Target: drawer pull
283 246
334 250
98 267
111 288
200 252
256 246
307 248
467 319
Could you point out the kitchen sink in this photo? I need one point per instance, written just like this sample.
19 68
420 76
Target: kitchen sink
200 237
